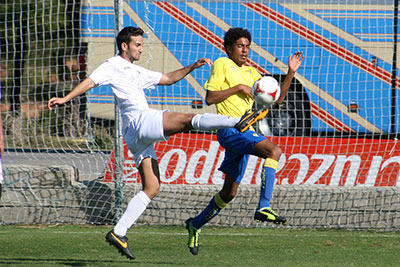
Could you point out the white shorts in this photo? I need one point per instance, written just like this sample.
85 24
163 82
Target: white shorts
143 132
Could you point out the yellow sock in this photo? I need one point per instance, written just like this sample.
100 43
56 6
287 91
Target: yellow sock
218 200
271 163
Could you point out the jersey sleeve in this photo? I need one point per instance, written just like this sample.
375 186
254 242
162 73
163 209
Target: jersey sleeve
102 74
217 76
150 78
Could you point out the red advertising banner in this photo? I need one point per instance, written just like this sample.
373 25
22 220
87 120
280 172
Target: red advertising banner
194 159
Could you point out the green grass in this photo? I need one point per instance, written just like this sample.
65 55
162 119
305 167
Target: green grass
69 245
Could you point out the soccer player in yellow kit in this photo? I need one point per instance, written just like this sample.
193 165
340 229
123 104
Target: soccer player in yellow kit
229 88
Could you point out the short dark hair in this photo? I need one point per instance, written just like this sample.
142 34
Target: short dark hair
234 34
124 36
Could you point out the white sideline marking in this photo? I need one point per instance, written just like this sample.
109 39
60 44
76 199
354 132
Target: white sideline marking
211 234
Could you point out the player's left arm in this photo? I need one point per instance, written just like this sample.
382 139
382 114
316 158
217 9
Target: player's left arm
177 75
81 88
294 64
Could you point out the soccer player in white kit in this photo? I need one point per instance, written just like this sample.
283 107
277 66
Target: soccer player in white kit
143 126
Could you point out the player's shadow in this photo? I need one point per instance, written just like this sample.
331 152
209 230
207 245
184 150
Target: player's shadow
66 262
78 262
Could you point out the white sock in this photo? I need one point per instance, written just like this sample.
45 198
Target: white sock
137 205
209 121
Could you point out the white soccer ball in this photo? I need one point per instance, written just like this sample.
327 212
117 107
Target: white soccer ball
266 91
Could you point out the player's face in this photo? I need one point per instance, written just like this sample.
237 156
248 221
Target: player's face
239 51
134 49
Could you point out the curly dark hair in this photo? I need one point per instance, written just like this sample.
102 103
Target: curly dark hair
124 36
233 34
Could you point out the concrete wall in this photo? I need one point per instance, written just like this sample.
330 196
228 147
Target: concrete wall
56 194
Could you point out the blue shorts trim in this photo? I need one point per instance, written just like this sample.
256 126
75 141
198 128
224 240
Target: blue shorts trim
238 146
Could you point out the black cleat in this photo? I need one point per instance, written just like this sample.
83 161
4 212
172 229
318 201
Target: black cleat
121 243
193 242
269 215
249 118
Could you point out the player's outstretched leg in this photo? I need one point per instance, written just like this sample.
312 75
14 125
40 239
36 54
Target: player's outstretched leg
249 118
121 243
269 215
193 242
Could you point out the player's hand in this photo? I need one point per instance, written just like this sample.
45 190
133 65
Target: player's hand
201 62
246 90
55 101
295 61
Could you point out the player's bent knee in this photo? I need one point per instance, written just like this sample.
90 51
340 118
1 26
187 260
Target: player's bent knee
268 149
276 153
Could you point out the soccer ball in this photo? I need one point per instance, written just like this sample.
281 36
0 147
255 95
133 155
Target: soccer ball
266 91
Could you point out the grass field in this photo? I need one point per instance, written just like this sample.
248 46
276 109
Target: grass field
70 245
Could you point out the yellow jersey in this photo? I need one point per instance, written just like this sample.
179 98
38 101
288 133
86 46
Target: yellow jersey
226 74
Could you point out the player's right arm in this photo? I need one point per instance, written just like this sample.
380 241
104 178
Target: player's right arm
81 88
215 94
214 97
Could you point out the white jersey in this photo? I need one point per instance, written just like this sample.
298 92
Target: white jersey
127 82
